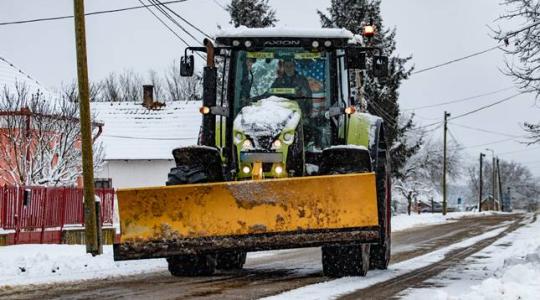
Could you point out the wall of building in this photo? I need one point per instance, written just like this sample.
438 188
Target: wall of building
136 173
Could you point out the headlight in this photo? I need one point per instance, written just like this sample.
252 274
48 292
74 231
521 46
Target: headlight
288 137
276 145
247 145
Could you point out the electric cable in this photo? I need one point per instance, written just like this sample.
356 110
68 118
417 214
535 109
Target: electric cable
454 60
459 100
86 14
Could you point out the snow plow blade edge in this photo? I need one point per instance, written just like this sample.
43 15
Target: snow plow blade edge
249 215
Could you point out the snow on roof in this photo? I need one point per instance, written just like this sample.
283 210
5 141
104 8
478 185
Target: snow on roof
132 132
11 75
282 32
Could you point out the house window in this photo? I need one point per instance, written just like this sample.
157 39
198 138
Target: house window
103 183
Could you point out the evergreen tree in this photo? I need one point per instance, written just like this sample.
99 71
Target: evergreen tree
251 13
382 99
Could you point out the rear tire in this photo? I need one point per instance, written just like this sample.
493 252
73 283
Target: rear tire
228 261
381 252
192 265
339 261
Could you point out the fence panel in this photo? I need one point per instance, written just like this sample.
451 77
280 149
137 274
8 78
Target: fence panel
44 207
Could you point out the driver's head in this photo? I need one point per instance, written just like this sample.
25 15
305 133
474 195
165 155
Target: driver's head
289 67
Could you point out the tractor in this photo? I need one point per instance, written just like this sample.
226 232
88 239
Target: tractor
285 159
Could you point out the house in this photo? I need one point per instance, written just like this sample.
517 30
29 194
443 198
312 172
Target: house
489 203
39 138
138 140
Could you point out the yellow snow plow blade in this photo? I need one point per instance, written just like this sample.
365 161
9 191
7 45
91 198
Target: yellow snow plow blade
162 221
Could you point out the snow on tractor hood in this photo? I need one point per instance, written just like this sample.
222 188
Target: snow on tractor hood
268 117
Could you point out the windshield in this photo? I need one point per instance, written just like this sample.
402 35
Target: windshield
291 73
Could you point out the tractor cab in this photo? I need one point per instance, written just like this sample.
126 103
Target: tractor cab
281 96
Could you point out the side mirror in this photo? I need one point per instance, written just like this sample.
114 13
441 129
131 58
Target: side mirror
356 58
380 66
187 66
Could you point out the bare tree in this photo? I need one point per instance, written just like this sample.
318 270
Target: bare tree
40 139
522 46
422 172
182 88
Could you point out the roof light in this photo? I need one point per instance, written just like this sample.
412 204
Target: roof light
328 43
315 44
350 110
368 31
204 110
276 145
247 44
236 43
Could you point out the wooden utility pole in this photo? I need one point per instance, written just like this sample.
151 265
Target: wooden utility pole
444 204
501 200
481 183
91 218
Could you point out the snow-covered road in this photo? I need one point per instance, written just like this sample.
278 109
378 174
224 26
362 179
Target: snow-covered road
266 273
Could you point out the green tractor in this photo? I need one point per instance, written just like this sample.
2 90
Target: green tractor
285 160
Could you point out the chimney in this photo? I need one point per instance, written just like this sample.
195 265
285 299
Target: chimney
148 96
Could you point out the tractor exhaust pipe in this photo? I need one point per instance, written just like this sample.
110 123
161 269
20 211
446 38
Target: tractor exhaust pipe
209 96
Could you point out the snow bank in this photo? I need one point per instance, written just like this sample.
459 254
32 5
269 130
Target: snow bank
402 222
508 269
35 264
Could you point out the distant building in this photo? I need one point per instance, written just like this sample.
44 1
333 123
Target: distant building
490 204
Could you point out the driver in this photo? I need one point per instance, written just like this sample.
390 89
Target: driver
294 84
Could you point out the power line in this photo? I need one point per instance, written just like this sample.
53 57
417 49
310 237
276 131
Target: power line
87 14
485 106
168 27
149 138
454 60
168 16
183 19
519 151
487 131
459 100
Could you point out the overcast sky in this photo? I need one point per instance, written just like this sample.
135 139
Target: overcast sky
433 31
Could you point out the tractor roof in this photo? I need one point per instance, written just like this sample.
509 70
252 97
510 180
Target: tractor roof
284 37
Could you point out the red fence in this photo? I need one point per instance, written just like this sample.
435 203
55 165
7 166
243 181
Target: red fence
47 210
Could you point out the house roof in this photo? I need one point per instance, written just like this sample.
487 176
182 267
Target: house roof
133 132
11 76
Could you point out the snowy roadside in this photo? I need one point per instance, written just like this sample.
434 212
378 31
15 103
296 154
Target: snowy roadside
508 269
403 222
39 264
335 288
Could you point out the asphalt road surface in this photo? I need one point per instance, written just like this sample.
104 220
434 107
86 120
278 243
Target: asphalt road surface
277 272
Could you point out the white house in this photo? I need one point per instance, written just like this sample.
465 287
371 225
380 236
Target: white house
138 141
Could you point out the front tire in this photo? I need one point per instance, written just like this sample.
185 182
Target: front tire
339 261
192 265
233 260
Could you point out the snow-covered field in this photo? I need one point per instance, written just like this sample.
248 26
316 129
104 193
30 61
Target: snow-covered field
35 264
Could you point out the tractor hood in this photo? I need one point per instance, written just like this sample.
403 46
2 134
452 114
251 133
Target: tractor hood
264 120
